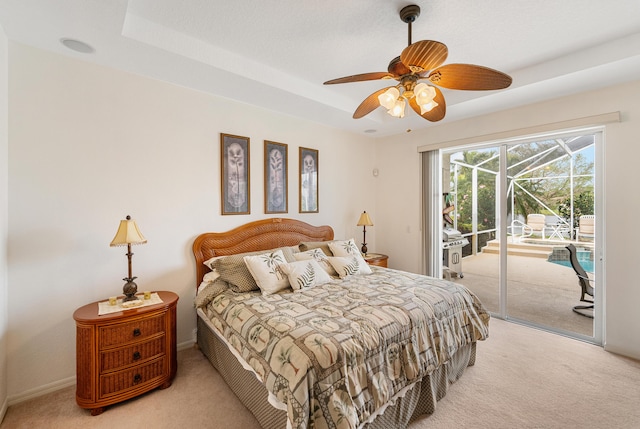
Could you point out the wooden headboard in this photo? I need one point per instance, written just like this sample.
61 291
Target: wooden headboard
258 235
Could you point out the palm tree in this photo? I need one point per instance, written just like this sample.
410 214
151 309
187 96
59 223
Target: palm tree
342 409
319 342
320 321
393 355
255 335
285 358
273 261
352 360
235 314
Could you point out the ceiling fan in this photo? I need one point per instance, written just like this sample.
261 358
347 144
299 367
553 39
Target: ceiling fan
423 61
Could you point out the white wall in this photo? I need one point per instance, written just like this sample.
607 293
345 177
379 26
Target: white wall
89 145
4 190
398 161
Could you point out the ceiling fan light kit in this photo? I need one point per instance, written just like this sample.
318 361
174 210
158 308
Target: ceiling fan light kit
423 61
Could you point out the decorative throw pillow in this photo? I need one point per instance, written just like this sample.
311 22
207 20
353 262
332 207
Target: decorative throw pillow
209 262
309 245
305 274
348 248
266 271
349 265
344 248
319 256
234 271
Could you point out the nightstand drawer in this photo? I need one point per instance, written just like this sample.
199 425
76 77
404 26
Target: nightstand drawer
134 354
133 378
124 333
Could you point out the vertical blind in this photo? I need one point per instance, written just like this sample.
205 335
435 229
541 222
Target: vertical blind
431 208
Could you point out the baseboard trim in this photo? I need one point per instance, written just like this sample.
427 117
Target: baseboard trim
42 390
185 345
3 410
57 385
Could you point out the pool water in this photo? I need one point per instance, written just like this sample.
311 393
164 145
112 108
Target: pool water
586 264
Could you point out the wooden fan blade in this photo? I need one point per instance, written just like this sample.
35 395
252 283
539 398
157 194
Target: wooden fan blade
369 104
361 77
396 67
424 55
469 77
435 114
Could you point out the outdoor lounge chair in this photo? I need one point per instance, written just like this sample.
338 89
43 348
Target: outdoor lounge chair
583 280
536 222
586 227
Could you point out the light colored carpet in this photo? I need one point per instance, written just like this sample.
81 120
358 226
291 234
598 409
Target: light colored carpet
523 378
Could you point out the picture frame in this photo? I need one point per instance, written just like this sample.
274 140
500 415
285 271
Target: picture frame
235 174
308 180
276 190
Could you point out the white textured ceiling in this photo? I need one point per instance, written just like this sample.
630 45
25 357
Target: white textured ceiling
277 53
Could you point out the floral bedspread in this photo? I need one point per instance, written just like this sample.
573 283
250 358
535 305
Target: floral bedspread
335 353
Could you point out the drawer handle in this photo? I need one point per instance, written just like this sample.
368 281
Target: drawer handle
136 332
136 356
137 379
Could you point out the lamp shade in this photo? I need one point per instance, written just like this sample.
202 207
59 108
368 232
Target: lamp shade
425 95
128 233
388 98
365 220
397 111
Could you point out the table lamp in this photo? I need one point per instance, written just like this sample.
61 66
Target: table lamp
128 234
364 222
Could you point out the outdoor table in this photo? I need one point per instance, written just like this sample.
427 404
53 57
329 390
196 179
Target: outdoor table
557 229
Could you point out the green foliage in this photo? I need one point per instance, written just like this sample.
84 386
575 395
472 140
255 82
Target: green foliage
583 204
540 169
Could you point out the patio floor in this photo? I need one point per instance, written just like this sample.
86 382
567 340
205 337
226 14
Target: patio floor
538 291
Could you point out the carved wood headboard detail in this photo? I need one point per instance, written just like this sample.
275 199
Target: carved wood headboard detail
258 235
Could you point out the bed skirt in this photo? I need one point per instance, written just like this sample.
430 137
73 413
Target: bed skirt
418 401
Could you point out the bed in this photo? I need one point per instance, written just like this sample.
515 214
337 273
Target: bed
375 348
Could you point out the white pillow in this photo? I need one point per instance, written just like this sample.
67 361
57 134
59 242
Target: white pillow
348 248
319 256
207 279
344 248
349 265
211 276
266 271
305 274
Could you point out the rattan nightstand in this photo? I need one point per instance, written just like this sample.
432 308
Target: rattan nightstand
376 259
124 354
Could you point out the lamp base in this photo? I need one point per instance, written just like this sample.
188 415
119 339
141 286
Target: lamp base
364 248
129 289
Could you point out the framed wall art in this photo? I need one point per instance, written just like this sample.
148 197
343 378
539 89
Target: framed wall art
234 158
276 177
308 162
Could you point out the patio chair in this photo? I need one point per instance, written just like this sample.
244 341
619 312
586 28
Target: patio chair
584 281
536 222
586 228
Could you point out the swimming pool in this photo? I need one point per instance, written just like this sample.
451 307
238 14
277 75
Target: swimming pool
586 264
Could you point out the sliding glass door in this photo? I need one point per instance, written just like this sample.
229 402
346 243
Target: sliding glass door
525 207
